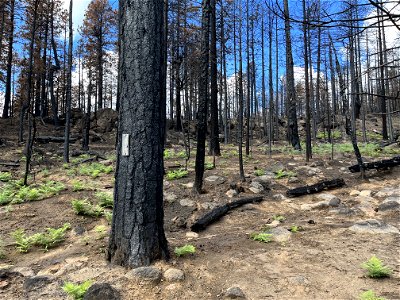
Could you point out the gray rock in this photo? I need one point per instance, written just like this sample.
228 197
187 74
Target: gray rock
149 274
308 170
389 205
174 275
373 226
387 192
170 197
234 292
293 180
188 185
330 199
273 224
187 203
317 164
209 205
278 197
192 235
214 179
36 282
280 234
102 291
256 188
24 271
231 193
366 193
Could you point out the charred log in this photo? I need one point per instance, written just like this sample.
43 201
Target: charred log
378 165
316 188
220 211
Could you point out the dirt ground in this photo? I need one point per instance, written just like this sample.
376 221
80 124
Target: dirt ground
321 261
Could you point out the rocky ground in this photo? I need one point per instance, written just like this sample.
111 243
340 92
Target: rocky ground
332 233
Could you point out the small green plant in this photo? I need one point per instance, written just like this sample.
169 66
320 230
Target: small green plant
184 250
279 218
181 154
45 173
77 291
370 295
94 170
208 166
259 172
108 215
376 268
295 228
282 174
77 186
85 208
22 242
168 154
105 199
51 238
101 230
5 176
177 174
262 237
46 240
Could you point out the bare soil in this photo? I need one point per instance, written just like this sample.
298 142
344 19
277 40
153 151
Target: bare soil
322 261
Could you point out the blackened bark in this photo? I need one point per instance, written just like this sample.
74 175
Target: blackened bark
137 236
316 188
69 88
86 119
241 98
7 98
307 86
214 136
203 95
292 130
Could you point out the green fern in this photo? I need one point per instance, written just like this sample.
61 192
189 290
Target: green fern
261 237
177 174
77 291
105 199
5 176
376 268
85 208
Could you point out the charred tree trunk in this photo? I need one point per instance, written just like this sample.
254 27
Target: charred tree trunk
293 134
137 234
7 97
203 96
214 136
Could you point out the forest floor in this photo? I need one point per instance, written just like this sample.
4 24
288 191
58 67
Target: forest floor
320 258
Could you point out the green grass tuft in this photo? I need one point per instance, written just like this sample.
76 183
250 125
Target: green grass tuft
5 176
262 237
282 174
184 250
177 174
259 172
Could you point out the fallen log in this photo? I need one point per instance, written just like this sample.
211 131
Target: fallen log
9 164
53 139
378 165
76 153
316 188
220 211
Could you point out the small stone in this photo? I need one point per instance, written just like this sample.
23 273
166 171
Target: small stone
192 235
231 193
273 224
170 197
330 199
255 190
148 274
317 164
354 193
174 275
188 185
102 291
293 180
366 193
187 203
278 197
214 179
280 234
235 292
179 222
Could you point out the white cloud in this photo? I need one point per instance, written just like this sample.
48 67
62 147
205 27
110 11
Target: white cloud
78 12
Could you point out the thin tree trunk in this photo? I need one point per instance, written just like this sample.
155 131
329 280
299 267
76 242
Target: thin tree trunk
69 88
